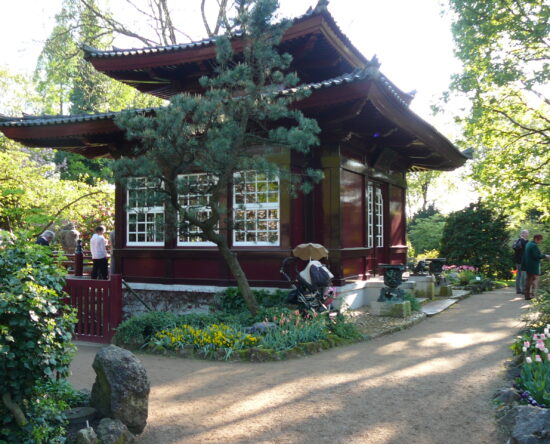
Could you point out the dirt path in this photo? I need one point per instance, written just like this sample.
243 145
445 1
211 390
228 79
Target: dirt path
430 384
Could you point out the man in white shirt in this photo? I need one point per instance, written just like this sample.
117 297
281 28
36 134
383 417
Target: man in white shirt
100 257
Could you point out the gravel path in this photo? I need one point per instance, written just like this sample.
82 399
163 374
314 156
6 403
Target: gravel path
429 384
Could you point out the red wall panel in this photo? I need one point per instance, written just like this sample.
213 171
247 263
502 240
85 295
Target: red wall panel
353 214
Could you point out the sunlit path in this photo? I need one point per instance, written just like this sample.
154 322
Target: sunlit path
430 384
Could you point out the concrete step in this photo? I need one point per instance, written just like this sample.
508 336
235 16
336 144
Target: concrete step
435 307
422 300
460 294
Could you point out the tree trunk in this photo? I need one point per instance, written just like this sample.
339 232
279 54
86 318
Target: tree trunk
15 410
240 277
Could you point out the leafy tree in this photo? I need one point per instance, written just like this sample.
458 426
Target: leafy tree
504 47
426 233
49 199
478 236
68 83
240 111
418 185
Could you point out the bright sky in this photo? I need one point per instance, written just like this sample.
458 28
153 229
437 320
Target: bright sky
411 39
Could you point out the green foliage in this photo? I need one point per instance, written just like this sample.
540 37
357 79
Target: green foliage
231 300
207 340
341 326
503 46
535 378
428 254
478 236
35 335
138 329
415 303
294 330
49 199
425 234
68 83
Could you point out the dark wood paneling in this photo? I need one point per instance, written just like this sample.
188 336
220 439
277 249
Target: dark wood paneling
397 215
353 211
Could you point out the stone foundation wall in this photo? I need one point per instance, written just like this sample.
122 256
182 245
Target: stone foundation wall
178 302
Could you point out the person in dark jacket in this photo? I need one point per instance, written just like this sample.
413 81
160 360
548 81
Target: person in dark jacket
531 265
45 238
519 247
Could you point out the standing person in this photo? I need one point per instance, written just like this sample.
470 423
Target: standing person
100 257
531 264
519 247
45 238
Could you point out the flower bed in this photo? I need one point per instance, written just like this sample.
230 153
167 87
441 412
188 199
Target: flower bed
534 379
223 336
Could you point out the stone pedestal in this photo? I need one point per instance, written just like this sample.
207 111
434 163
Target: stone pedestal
445 291
425 286
400 309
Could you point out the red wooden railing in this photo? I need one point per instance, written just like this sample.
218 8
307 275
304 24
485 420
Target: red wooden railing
99 307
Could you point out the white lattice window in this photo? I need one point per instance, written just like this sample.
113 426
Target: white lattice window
256 209
379 211
195 198
370 216
145 216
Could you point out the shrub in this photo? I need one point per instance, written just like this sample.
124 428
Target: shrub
415 304
35 339
137 329
231 300
340 326
478 236
425 234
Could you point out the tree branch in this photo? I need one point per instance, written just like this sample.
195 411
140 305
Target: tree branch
67 206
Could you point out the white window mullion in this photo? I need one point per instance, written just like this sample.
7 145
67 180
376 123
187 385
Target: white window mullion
379 218
197 200
370 216
256 210
144 223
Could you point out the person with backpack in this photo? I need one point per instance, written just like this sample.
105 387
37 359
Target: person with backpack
531 264
519 247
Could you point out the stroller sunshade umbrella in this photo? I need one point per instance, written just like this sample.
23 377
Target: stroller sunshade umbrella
310 251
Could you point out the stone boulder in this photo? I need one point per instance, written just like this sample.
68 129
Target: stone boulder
113 431
529 425
86 436
121 388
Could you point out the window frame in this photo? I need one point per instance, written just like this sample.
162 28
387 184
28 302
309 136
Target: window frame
256 207
145 210
201 243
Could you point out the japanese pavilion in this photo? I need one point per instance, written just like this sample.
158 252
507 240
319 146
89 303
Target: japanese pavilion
370 138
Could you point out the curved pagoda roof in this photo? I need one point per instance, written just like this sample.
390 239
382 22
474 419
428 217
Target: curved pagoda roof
362 108
319 48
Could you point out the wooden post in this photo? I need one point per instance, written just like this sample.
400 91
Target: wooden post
78 259
115 308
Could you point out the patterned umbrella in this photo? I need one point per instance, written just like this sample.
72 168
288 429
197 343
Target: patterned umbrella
310 251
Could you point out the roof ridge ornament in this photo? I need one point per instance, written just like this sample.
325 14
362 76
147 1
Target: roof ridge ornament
322 5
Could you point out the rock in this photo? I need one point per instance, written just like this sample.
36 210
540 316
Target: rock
86 436
113 431
532 425
121 388
261 327
506 395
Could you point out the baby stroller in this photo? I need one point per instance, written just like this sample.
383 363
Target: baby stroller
311 287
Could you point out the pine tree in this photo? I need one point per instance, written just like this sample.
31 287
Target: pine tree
241 113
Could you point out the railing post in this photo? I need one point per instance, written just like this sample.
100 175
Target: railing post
115 303
78 259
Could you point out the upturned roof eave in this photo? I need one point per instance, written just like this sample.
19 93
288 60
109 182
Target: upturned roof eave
379 92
